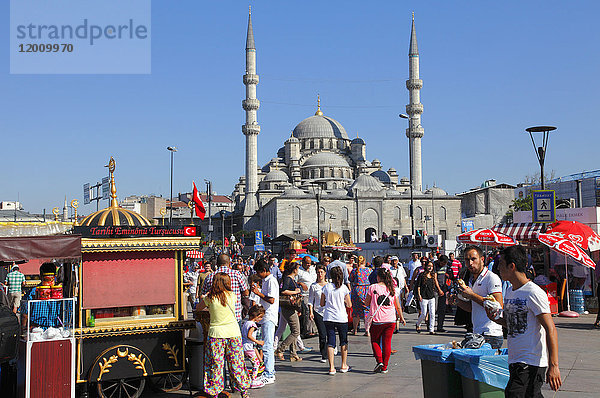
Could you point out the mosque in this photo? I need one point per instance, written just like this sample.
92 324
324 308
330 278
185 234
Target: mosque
320 167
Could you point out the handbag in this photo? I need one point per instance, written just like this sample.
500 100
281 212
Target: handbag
292 301
369 319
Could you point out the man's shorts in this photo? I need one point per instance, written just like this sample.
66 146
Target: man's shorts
14 299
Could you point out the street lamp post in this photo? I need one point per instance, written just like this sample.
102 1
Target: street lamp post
209 196
410 172
223 229
540 151
171 149
317 190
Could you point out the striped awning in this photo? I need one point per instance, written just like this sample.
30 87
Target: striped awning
520 231
194 254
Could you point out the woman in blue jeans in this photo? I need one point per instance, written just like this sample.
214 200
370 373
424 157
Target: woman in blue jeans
336 298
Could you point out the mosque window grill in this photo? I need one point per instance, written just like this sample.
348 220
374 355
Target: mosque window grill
296 213
443 212
419 213
397 214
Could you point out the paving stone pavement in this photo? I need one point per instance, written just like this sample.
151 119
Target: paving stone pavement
579 359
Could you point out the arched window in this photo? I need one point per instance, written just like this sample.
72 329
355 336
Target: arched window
443 213
345 214
397 213
418 213
322 215
296 213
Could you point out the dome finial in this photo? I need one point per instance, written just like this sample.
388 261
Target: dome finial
318 112
250 10
113 186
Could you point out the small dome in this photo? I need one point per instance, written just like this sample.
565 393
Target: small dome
436 191
294 192
392 171
376 163
319 127
276 175
392 193
293 139
382 176
115 216
326 159
338 193
405 181
332 238
365 183
357 140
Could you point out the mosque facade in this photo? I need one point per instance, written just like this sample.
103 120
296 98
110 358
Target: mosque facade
321 172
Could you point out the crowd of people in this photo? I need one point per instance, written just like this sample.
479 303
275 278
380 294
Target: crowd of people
249 305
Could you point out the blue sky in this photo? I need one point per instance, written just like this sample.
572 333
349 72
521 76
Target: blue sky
490 69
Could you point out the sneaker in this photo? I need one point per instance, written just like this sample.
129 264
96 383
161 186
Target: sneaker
323 360
257 383
335 351
267 380
378 367
306 350
384 371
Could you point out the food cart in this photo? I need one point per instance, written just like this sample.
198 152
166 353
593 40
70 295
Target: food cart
131 313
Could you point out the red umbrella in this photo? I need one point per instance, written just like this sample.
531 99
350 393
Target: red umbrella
576 232
571 249
486 237
567 247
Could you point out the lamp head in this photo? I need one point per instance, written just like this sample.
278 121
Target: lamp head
172 148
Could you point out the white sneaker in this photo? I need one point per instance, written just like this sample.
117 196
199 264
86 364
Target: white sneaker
267 380
335 351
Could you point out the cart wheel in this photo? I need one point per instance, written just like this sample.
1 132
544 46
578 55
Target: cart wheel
167 382
122 388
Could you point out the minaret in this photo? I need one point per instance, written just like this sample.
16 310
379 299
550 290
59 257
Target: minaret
251 128
414 110
65 213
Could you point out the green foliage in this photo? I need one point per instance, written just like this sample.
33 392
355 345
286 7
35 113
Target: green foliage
523 204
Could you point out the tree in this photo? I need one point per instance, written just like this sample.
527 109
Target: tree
519 204
534 179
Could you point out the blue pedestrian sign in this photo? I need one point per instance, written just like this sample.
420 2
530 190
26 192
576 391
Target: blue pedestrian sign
259 248
258 237
543 206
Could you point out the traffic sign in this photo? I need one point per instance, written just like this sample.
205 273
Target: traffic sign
86 194
544 205
258 237
259 248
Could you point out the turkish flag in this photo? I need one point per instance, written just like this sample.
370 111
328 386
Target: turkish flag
200 210
189 231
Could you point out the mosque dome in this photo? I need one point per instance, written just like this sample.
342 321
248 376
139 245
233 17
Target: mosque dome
357 140
365 183
437 191
319 126
276 175
392 193
294 192
338 193
329 159
114 215
405 181
382 176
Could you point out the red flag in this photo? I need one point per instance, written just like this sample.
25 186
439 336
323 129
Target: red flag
200 210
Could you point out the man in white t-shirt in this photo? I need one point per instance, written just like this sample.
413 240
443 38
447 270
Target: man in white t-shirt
532 338
413 264
306 277
483 283
269 299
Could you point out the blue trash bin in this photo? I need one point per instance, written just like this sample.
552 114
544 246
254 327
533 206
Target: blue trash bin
440 379
483 374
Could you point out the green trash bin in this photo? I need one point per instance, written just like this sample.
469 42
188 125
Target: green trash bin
483 375
440 378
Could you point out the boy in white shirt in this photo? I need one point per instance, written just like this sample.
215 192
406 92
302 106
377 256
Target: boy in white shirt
532 338
269 299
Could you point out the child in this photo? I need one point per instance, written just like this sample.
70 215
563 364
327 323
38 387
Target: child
255 315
